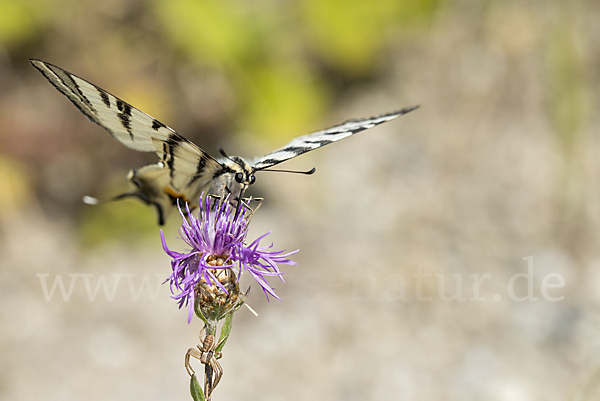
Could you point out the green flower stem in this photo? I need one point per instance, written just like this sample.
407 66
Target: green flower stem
211 328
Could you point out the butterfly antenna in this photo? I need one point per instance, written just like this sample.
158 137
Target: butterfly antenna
223 153
309 172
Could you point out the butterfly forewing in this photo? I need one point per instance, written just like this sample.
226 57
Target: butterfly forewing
187 167
315 140
125 123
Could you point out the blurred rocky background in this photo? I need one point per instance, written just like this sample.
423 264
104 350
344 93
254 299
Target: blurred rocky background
494 180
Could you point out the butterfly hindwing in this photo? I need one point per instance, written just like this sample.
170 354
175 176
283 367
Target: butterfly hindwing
315 140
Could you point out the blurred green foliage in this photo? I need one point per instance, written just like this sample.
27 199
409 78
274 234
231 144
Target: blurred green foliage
221 33
282 100
567 85
128 220
16 185
16 22
270 51
568 99
350 34
21 20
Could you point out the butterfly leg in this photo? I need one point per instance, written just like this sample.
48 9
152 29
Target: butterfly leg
246 201
215 197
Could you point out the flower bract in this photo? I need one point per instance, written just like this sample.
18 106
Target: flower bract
219 233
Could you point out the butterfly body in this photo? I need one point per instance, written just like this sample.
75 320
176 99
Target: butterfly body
155 186
184 171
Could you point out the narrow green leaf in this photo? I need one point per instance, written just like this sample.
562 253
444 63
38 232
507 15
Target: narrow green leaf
225 330
196 390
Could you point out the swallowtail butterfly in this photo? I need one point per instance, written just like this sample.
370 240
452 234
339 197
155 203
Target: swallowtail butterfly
184 171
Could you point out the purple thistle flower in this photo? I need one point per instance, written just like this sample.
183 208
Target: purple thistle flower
218 232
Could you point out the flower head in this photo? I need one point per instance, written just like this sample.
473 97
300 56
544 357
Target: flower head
217 240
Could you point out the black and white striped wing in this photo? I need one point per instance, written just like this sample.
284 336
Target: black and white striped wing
315 140
188 164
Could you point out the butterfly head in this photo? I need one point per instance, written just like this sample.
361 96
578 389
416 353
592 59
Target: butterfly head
237 175
246 174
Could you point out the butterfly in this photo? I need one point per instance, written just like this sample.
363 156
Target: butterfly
184 171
